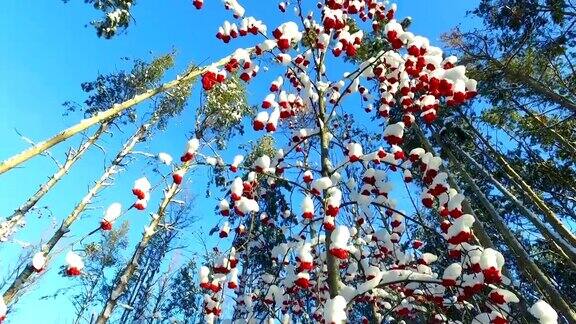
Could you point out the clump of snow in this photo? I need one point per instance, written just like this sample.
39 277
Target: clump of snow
544 312
335 310
165 158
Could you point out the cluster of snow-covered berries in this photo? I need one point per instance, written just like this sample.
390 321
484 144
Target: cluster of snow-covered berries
74 263
351 245
74 266
110 215
141 190
248 25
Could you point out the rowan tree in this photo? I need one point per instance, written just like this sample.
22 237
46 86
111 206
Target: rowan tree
349 246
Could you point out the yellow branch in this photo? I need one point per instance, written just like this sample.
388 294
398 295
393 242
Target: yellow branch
40 147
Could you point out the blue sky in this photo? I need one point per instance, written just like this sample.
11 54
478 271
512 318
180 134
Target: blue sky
47 52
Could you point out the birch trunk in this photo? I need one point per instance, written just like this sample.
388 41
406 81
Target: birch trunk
562 246
8 227
549 214
523 260
133 295
20 281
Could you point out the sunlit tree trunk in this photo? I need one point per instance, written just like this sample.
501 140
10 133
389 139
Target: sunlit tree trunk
528 192
558 243
525 264
17 218
134 294
125 275
20 281
40 147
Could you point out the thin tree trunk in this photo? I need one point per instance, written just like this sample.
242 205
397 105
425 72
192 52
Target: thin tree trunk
8 227
480 234
90 298
559 244
147 279
525 264
549 214
133 295
19 282
331 262
115 110
160 296
126 274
